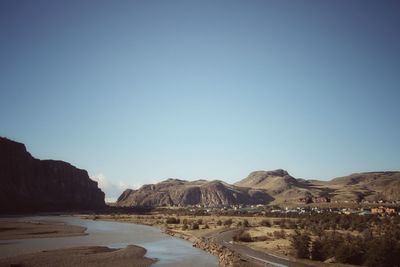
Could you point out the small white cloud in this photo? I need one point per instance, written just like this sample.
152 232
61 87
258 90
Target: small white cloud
101 180
111 189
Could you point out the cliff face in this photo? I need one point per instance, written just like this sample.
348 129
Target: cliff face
28 184
173 192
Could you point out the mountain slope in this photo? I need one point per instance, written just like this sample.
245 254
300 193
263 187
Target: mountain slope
28 184
371 186
282 186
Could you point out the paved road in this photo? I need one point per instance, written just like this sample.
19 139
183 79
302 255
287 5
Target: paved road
225 238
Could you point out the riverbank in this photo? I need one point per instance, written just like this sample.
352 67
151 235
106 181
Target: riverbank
82 256
110 235
93 256
200 238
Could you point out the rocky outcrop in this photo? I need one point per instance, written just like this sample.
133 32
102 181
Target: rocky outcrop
28 184
174 192
226 257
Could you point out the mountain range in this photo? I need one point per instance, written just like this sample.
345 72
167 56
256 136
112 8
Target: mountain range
28 184
266 187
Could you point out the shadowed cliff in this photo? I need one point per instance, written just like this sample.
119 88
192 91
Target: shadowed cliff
29 185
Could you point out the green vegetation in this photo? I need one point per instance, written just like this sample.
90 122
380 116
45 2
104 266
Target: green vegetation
301 243
377 246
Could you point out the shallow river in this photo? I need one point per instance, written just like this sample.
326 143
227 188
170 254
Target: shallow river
170 251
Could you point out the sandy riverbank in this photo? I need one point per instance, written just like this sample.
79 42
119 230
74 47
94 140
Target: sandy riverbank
22 230
83 256
131 256
225 256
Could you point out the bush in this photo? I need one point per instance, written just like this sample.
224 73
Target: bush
246 223
279 234
185 227
242 236
260 238
219 222
266 223
195 226
200 221
228 222
245 237
172 220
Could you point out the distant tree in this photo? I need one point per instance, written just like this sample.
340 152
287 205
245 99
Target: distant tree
383 252
172 220
301 244
317 252
330 241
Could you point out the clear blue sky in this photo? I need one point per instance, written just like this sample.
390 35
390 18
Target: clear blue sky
139 91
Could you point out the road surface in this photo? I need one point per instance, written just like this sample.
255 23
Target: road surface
225 239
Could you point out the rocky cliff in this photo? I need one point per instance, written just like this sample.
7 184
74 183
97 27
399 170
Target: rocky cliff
28 184
174 192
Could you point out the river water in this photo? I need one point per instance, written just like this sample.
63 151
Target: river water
169 251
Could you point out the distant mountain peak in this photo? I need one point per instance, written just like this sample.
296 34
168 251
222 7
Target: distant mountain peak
277 172
273 181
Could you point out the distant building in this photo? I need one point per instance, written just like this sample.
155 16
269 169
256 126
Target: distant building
310 199
383 211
